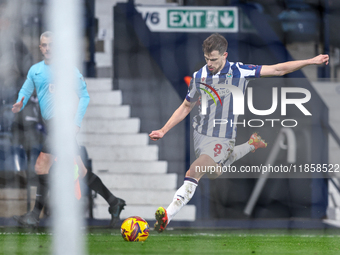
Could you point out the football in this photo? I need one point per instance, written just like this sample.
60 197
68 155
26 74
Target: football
135 229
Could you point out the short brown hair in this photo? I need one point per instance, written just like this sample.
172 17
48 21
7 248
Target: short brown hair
215 42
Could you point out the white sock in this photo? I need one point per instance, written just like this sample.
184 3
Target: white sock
182 197
238 152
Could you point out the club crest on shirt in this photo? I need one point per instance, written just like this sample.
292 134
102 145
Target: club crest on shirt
51 88
203 79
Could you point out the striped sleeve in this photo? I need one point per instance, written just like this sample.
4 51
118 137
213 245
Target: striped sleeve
249 71
193 94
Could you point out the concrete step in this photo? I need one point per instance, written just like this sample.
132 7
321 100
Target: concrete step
333 213
113 97
14 201
16 194
89 139
141 197
119 153
107 126
108 111
126 167
132 173
155 182
9 208
98 84
147 212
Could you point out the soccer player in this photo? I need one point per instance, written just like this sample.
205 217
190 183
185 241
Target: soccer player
214 144
39 78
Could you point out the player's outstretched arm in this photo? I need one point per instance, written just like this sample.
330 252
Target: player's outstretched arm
291 66
182 111
17 106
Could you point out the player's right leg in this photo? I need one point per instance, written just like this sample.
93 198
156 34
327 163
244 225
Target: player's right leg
42 166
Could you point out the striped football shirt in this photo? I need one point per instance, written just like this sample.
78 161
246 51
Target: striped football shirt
216 89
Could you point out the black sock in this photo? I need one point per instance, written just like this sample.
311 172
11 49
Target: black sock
40 198
95 183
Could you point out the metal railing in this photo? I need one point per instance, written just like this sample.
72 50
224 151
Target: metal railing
291 158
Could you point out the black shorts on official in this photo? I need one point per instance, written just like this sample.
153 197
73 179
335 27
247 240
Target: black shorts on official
48 140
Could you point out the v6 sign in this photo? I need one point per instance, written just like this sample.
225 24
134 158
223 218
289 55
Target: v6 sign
190 19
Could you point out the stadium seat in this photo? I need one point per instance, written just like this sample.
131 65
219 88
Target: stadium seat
300 22
297 4
6 118
19 158
13 161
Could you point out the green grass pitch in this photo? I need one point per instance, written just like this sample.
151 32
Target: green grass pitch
185 241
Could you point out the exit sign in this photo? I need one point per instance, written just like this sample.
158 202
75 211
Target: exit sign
190 19
202 19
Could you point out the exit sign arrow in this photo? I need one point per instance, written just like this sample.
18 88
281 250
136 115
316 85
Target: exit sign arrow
226 19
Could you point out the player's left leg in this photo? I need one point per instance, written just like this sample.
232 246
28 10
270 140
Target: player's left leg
255 142
184 194
209 152
116 205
